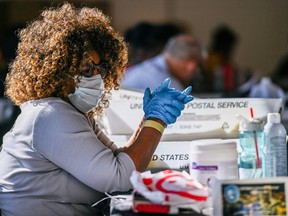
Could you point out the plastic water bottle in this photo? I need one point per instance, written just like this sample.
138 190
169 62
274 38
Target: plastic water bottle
251 141
275 149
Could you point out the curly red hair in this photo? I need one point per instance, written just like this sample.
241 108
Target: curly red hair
52 47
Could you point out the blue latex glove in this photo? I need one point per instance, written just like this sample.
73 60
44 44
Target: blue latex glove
184 95
165 103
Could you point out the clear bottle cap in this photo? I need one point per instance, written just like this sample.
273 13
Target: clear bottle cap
273 118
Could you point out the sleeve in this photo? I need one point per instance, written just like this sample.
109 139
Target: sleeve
64 137
103 138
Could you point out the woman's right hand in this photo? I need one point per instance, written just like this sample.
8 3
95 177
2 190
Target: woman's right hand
165 103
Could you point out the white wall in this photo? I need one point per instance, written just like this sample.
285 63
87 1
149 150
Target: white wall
262 25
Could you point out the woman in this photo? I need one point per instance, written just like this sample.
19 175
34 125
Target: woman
55 160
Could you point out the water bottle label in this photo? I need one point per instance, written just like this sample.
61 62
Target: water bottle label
276 158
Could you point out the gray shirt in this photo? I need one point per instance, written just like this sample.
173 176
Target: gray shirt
149 73
53 163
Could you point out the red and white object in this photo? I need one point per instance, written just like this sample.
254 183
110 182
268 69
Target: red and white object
171 188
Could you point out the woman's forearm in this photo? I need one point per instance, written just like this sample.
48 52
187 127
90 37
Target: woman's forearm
143 147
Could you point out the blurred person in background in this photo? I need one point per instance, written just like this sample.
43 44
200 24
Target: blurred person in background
280 73
179 61
146 40
55 160
274 86
265 88
220 73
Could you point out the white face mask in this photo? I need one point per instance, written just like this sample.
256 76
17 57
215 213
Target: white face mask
88 93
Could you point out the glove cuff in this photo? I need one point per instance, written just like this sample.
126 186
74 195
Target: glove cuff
153 124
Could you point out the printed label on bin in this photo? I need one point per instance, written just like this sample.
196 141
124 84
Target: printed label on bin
199 167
